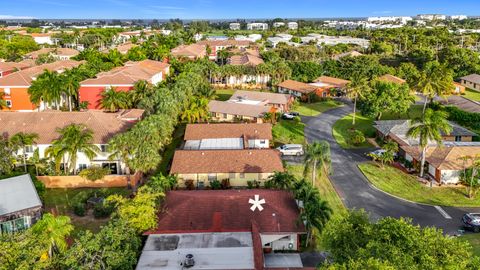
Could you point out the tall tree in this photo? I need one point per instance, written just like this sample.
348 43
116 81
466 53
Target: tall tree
70 87
22 140
113 100
355 90
317 154
54 230
196 111
429 128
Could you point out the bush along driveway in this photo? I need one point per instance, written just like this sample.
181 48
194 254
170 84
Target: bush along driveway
355 190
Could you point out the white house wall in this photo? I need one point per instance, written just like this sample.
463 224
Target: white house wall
280 241
450 176
258 143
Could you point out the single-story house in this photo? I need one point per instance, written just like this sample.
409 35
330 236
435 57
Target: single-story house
281 102
296 89
227 136
458 88
225 229
391 79
20 205
224 111
326 83
471 81
238 166
57 53
442 161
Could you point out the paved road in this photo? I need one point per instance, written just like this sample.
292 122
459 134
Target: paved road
356 192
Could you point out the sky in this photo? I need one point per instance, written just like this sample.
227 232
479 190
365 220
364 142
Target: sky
229 9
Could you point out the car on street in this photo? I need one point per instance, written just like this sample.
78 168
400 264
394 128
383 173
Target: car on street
471 221
380 152
291 149
290 115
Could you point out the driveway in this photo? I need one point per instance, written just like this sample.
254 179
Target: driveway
355 190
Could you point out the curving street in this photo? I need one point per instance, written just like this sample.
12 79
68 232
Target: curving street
355 190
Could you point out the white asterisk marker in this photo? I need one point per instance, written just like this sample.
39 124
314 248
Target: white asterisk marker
257 203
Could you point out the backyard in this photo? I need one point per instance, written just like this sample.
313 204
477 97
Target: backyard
314 109
60 201
288 131
224 94
472 94
398 183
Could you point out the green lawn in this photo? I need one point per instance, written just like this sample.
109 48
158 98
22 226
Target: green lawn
474 240
58 200
167 156
396 182
313 109
288 131
343 127
224 94
472 94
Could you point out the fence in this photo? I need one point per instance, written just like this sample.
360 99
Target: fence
76 181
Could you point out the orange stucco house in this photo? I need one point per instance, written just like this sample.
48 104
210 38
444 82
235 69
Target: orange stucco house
15 85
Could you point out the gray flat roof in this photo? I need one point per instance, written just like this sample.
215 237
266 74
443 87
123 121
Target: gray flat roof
285 260
17 193
209 250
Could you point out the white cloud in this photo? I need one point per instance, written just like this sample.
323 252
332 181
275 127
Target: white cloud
14 17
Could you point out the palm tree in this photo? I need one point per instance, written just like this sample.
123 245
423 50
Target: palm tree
435 80
162 183
57 151
70 84
317 154
196 111
356 88
77 138
316 212
36 160
113 100
429 128
3 102
46 88
282 180
121 148
53 230
22 140
469 177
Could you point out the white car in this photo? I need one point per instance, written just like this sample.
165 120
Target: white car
380 152
291 149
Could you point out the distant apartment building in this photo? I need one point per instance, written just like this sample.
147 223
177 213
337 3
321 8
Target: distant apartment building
278 24
390 19
121 79
321 40
431 17
257 26
56 53
292 25
234 26
251 37
458 17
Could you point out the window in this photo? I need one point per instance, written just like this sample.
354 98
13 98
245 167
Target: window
225 115
6 91
112 166
104 148
82 167
242 175
231 175
212 177
28 149
9 103
458 138
262 141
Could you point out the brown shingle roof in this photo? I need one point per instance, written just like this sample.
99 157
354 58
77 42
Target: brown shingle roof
228 130
272 98
392 79
226 161
333 81
128 74
474 78
104 125
237 109
191 51
298 86
228 211
446 157
25 77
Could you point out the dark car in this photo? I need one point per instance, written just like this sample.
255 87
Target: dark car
471 221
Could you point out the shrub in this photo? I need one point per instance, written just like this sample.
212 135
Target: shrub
297 119
94 173
357 137
215 184
79 209
189 184
225 183
253 184
101 210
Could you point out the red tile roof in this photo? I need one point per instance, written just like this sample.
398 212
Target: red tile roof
54 51
234 108
226 161
392 79
128 74
104 125
228 211
298 86
337 82
11 66
228 130
190 51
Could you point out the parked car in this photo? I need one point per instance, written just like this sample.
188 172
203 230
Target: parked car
291 149
290 115
380 152
471 221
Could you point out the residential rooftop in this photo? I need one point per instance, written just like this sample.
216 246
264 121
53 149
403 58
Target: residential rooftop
104 125
298 86
265 97
474 78
18 193
226 161
228 130
233 108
